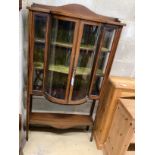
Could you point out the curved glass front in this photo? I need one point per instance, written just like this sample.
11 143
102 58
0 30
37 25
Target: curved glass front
85 62
59 56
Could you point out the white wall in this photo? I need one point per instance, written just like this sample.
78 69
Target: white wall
124 61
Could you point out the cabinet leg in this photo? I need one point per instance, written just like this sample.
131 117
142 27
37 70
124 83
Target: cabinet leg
91 114
30 103
27 115
87 128
92 108
92 131
91 137
27 136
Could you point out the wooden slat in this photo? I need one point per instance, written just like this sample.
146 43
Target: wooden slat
62 121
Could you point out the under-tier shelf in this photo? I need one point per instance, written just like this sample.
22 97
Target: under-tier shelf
62 121
65 69
68 45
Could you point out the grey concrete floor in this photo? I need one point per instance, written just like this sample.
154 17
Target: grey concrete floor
66 143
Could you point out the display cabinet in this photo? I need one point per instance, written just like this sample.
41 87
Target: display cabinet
71 50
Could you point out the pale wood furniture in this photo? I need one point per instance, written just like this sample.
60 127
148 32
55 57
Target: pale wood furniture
116 87
122 129
130 153
71 50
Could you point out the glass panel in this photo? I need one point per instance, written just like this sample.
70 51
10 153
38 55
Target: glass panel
100 72
103 59
39 47
85 62
57 83
38 60
59 57
89 36
40 27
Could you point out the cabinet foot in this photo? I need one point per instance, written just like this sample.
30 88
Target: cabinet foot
91 137
87 128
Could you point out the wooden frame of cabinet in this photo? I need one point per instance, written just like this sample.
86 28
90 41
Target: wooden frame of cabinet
80 17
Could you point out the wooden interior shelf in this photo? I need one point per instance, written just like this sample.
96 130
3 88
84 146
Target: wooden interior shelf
61 44
62 121
38 40
92 48
65 69
67 45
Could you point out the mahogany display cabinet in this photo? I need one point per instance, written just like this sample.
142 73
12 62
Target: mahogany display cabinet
71 50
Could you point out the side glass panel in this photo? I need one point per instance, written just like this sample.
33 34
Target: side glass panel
39 47
59 57
103 59
85 61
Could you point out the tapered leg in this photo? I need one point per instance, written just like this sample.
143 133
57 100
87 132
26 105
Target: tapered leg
92 108
91 114
30 103
27 114
92 131
87 128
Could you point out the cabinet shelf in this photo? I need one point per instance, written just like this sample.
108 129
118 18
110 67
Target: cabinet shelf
91 48
67 45
62 121
42 41
61 44
65 69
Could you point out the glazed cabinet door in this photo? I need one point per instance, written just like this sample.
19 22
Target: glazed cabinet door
101 61
60 58
84 58
68 57
38 47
